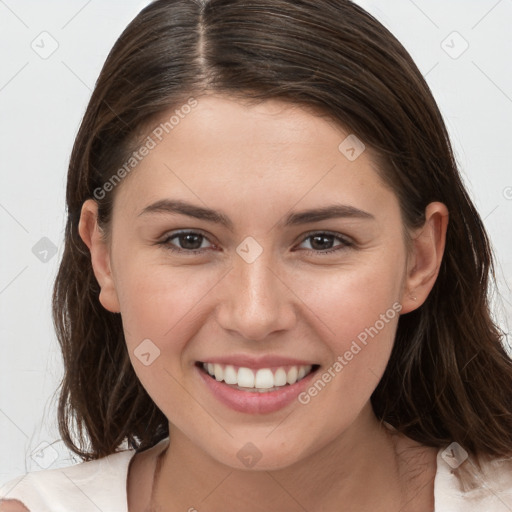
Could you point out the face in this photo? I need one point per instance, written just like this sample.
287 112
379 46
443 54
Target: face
242 277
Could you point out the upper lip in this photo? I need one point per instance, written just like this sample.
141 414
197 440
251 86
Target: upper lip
248 361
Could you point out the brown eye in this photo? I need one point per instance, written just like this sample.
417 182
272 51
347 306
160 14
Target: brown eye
322 243
190 242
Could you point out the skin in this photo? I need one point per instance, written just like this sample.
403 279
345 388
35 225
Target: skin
257 164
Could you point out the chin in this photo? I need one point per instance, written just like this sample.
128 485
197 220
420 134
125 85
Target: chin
259 455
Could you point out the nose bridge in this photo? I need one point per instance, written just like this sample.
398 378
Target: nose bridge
258 302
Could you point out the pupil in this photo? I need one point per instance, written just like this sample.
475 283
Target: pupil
326 239
190 243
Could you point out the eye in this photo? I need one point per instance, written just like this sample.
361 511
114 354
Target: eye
321 242
188 242
192 242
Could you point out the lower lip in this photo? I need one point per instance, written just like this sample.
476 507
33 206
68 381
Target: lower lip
255 402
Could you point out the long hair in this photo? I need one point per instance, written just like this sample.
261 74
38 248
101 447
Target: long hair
449 377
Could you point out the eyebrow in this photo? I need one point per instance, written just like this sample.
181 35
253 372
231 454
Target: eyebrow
178 207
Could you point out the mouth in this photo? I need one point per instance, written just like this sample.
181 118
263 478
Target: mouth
257 380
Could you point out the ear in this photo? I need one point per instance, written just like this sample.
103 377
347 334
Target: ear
424 261
93 236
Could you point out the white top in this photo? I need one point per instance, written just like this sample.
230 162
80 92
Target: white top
101 485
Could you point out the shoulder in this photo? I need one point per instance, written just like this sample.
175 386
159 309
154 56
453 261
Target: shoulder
101 482
12 506
467 484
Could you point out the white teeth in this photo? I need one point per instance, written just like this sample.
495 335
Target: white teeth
291 376
280 377
245 378
230 375
261 380
219 372
264 379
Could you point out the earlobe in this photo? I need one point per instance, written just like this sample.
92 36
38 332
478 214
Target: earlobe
92 235
426 256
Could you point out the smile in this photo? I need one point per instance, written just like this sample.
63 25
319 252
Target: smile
262 380
258 390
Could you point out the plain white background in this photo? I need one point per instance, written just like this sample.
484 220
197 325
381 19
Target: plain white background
462 47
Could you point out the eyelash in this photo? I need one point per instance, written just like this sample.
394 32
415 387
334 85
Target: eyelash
346 243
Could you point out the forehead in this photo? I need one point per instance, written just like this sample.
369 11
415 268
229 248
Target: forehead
272 151
222 124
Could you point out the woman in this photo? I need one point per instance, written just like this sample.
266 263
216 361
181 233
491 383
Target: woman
274 284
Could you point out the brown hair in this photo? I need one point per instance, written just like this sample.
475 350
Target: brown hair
449 377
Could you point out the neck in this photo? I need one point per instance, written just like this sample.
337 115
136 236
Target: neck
336 477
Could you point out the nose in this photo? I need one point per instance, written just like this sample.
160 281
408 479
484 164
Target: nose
256 301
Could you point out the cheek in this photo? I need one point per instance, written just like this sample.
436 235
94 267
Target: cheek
348 301
162 309
162 303
159 303
356 311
